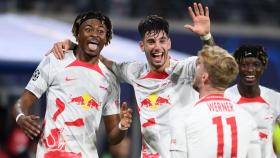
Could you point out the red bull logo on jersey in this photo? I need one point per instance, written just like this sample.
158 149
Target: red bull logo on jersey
154 101
86 102
56 146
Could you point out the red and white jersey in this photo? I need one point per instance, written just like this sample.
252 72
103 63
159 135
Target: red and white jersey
264 109
156 95
214 127
78 94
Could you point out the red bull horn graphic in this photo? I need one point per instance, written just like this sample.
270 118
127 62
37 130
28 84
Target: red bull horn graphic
154 101
86 102
56 146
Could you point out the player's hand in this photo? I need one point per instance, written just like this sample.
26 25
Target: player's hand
126 115
29 125
200 18
59 48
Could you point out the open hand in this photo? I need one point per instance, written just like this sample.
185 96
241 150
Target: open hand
200 18
126 116
29 125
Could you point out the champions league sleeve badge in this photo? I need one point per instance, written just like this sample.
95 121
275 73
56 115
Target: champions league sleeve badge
35 75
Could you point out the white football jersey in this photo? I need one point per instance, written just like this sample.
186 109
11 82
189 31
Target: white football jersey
78 94
215 127
264 110
156 95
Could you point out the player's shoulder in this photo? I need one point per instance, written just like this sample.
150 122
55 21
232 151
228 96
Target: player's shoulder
187 61
68 57
232 93
268 91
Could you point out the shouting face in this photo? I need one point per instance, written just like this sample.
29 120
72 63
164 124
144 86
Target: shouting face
92 37
156 47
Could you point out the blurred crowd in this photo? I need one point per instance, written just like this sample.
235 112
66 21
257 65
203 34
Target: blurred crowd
238 11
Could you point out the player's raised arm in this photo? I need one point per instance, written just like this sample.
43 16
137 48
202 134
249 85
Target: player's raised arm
201 23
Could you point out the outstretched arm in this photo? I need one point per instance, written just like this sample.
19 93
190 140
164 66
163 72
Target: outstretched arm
117 125
28 123
201 23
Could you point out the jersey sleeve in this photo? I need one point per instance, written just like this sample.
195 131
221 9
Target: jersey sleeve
40 79
121 71
112 101
126 71
188 66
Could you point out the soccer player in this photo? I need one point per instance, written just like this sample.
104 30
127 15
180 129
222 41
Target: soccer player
80 90
261 102
214 126
162 84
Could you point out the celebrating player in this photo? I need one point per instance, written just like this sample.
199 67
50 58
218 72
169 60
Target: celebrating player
261 102
161 84
80 89
214 126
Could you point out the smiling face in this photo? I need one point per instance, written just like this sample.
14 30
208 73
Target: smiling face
250 71
91 37
156 47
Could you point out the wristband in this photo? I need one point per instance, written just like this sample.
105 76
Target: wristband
121 127
18 116
206 37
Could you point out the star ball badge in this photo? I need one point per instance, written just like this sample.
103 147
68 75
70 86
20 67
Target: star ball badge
35 75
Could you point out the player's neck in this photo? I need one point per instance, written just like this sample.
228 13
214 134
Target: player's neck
249 91
208 91
82 56
160 69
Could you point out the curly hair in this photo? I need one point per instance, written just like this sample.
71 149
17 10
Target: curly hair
256 51
93 15
153 23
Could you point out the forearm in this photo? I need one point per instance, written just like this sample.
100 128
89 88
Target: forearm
24 103
116 135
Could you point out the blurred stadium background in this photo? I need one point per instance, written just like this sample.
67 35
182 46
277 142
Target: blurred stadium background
30 27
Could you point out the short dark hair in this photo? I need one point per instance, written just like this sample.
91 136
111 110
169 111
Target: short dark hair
93 15
153 23
256 51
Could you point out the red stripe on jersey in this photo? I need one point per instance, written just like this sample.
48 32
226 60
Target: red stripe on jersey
94 67
62 154
150 122
161 75
61 106
79 123
211 97
258 99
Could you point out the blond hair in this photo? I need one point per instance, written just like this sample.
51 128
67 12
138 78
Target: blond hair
220 65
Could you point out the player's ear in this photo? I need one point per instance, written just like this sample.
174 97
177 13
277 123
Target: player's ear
205 77
77 37
141 45
169 44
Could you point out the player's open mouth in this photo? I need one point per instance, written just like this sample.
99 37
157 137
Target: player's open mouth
250 77
93 45
157 57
